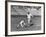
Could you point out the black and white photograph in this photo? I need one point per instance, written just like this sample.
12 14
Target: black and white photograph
25 18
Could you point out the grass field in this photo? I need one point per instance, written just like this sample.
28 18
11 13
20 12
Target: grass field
15 20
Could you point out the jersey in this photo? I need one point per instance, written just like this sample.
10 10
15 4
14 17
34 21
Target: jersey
29 15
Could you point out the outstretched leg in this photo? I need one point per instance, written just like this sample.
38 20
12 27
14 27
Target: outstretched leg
17 25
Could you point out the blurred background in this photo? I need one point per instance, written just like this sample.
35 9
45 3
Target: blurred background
23 10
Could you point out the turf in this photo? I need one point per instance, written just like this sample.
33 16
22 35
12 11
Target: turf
36 23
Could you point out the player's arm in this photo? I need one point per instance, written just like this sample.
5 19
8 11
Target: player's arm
31 15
